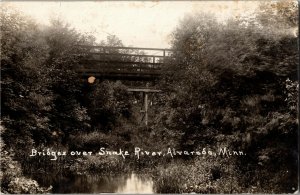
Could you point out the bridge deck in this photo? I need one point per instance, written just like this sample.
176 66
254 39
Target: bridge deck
129 63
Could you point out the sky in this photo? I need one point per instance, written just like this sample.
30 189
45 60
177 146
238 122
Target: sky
136 23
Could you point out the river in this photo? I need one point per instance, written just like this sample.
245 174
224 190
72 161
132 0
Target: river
127 183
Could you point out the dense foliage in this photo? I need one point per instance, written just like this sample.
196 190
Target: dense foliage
42 95
228 84
235 89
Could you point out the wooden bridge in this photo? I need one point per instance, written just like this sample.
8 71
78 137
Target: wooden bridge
122 63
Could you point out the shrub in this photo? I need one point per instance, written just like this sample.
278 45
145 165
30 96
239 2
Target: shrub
24 185
11 175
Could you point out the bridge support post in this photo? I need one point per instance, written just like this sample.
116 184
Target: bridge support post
146 107
145 103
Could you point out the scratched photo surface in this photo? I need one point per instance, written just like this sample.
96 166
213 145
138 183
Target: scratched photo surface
149 97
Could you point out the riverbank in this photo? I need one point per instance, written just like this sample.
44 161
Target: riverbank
200 175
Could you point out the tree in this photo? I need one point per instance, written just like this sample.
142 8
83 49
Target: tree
68 114
278 14
108 102
230 90
40 88
26 99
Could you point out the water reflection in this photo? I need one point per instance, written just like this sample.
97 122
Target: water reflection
136 185
122 184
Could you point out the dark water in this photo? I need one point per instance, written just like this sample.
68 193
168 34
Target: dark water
126 183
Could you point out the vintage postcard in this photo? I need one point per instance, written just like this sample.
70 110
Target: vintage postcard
149 97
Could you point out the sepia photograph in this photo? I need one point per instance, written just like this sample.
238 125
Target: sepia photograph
149 97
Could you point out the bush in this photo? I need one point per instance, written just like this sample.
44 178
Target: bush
11 175
99 164
209 175
24 185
